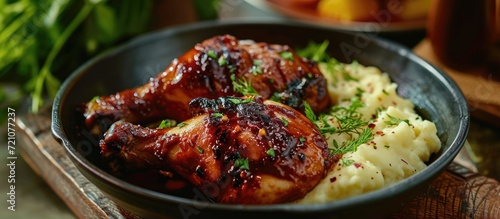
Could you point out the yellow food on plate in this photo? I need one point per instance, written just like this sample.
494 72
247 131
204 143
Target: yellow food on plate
380 137
370 10
348 10
414 9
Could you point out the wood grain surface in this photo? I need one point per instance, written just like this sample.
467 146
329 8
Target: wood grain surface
481 86
456 193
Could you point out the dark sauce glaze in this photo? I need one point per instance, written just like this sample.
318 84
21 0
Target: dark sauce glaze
232 151
205 71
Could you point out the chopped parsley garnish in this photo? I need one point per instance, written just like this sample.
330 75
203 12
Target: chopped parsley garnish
240 101
302 139
346 162
387 146
396 121
257 62
200 150
181 124
94 99
287 55
212 54
271 152
243 87
166 124
217 115
242 163
256 71
285 122
309 75
385 92
222 61
271 81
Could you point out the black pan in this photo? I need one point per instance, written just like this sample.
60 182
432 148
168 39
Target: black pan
435 95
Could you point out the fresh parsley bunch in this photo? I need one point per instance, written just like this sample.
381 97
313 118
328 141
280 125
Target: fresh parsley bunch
43 41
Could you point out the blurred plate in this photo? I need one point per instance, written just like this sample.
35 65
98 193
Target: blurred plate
305 11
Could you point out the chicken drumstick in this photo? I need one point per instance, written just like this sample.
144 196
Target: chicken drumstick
209 70
234 150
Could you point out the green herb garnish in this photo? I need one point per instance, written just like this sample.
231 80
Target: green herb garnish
285 122
166 124
243 86
217 115
200 150
212 54
222 61
271 152
287 55
242 163
396 121
181 124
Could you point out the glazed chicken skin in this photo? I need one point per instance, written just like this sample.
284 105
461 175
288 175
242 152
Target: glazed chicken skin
209 70
234 150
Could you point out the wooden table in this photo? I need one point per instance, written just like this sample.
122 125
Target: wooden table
456 193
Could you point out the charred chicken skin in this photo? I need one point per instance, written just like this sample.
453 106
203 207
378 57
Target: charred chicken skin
208 70
234 150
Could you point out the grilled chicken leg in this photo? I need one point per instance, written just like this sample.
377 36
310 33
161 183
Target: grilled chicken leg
234 150
208 70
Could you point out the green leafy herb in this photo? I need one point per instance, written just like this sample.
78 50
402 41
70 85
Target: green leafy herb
212 54
242 163
385 92
217 115
181 124
42 41
287 55
240 101
387 146
166 124
359 92
243 87
222 61
346 162
315 51
396 121
352 145
271 81
309 112
302 139
271 152
200 150
257 62
256 71
285 122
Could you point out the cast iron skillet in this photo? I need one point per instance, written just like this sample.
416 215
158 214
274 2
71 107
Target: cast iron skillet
435 95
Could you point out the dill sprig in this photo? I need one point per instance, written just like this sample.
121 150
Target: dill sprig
351 146
243 86
396 121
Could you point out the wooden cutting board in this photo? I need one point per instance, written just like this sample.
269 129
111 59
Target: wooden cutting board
456 193
481 86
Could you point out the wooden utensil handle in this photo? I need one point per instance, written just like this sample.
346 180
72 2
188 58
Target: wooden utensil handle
457 193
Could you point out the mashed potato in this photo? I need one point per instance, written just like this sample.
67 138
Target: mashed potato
377 132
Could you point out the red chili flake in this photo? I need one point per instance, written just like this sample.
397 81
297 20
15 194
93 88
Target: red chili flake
380 133
371 125
358 165
404 161
394 103
333 179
